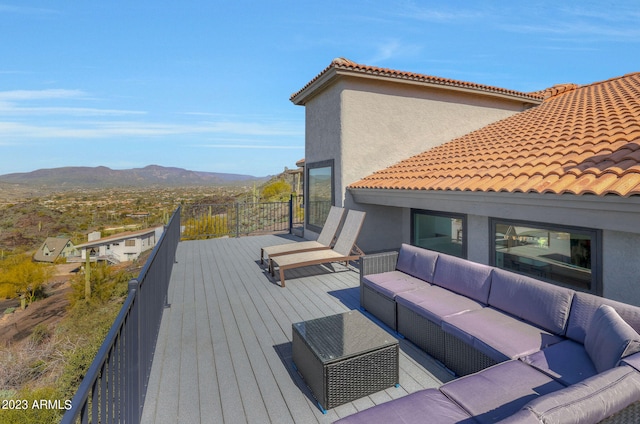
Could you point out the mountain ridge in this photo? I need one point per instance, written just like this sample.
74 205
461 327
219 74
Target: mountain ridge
104 177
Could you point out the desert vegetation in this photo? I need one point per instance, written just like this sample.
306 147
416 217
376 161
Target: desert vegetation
49 331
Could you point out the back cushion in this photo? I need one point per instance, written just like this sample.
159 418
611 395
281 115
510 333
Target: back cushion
467 278
609 339
540 303
417 262
585 305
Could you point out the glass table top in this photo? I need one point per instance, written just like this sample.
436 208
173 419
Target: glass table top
340 336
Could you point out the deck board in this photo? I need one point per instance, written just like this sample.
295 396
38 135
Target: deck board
224 347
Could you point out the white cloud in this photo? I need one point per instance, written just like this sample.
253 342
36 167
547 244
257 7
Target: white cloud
10 103
24 10
10 109
106 129
616 22
392 49
437 13
54 93
250 146
579 30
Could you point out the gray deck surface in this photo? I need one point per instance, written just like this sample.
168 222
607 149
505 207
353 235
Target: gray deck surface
224 349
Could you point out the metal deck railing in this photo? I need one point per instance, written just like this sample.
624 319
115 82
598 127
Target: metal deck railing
214 220
114 387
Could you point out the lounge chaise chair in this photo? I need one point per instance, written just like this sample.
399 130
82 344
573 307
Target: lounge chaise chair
324 241
344 250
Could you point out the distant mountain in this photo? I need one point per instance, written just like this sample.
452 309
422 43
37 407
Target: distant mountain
103 177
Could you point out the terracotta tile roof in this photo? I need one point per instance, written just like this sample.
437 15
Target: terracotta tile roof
347 65
580 140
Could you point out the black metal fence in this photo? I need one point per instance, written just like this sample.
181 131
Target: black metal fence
203 221
114 388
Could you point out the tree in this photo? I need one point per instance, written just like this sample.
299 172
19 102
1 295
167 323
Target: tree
277 191
27 277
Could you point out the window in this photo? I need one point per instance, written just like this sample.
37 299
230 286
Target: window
320 193
568 256
130 243
439 231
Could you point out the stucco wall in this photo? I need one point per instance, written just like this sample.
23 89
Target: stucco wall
365 125
621 266
383 227
323 129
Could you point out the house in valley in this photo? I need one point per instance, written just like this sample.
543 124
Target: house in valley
55 248
120 247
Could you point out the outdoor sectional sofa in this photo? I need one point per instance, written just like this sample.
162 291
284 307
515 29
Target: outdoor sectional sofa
527 351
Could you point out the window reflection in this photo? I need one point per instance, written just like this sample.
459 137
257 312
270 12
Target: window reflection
319 194
442 233
551 254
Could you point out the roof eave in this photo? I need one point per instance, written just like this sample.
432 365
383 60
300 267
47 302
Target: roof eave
331 74
314 87
621 212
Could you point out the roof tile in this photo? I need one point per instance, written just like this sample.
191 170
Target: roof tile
580 140
348 65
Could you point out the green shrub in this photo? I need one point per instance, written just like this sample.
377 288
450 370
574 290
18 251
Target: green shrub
106 285
77 363
277 191
35 411
9 311
39 334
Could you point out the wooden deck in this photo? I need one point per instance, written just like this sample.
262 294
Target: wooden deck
224 349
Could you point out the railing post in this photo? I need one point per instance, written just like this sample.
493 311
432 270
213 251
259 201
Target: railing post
237 219
134 352
291 214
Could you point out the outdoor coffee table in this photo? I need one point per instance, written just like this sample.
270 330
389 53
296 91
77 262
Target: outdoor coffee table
344 357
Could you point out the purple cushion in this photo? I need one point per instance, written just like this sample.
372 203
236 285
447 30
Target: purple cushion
590 401
567 362
468 278
542 304
585 305
609 339
498 335
499 391
417 262
412 408
523 416
632 361
391 283
435 303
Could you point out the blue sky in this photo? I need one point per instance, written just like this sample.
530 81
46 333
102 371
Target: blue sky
205 85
